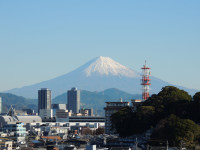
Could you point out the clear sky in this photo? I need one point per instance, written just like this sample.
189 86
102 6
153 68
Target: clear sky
42 39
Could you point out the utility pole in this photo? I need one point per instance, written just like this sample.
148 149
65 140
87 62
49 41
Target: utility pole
136 143
181 144
148 147
167 145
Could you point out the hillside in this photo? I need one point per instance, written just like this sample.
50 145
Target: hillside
96 100
18 102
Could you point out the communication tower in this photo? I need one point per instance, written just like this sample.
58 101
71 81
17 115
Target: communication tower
145 81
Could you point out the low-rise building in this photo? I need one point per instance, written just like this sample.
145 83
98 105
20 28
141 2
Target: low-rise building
86 119
136 103
18 129
62 115
46 113
13 119
86 112
5 144
56 107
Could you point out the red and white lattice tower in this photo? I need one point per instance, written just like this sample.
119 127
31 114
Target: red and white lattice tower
145 82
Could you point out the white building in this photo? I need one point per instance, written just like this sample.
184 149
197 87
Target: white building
18 129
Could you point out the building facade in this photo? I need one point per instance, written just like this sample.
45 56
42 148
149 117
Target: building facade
86 112
18 129
44 99
136 103
6 144
0 105
56 107
46 113
73 100
112 107
62 115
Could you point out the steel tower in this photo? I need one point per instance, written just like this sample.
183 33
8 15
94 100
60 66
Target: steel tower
145 81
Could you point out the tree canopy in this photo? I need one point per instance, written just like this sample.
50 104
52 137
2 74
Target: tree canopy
196 97
122 121
171 93
176 130
170 101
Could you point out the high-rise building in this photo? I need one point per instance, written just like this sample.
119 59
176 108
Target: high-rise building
73 100
44 99
0 105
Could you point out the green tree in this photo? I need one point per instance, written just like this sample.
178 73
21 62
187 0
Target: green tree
146 117
122 121
171 94
194 108
175 129
170 100
196 97
126 122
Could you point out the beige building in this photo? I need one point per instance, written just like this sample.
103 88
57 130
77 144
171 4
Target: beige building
5 144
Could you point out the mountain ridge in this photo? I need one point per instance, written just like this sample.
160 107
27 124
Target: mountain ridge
96 75
96 100
18 102
89 99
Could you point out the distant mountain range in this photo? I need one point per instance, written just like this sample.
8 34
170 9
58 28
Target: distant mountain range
97 75
95 100
18 102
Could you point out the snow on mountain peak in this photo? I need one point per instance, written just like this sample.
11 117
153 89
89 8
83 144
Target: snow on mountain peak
107 66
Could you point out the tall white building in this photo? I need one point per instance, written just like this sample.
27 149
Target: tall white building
112 107
73 100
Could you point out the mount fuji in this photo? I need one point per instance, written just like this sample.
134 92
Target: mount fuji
97 75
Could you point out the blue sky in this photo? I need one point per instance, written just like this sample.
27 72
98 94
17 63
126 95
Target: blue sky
40 40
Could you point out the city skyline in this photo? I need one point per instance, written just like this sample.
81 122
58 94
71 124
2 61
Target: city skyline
42 40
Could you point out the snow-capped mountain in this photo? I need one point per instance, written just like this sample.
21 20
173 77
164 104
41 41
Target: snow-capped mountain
97 75
107 66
